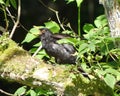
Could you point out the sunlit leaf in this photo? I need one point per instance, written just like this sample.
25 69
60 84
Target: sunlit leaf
110 80
87 27
32 34
20 91
114 72
33 93
100 21
2 2
68 40
29 37
13 3
53 26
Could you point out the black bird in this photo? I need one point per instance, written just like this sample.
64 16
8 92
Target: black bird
63 53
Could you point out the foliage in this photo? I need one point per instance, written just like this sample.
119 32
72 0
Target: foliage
9 2
30 92
97 54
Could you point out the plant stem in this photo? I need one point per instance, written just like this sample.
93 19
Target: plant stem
79 31
5 15
18 19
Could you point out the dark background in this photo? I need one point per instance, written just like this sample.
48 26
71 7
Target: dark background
34 13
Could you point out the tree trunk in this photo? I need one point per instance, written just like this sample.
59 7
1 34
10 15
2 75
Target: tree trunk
112 10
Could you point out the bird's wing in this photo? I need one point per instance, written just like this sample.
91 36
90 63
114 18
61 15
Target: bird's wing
69 48
60 36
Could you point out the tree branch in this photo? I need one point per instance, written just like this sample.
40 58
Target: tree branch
17 65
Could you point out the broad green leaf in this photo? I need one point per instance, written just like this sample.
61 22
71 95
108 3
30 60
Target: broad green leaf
7 3
90 35
79 2
35 30
87 27
42 54
100 73
37 44
110 80
92 47
20 91
53 26
13 3
29 37
83 48
68 40
100 21
2 2
114 72
32 34
33 93
32 50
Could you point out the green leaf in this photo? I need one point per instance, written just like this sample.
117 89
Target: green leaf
83 48
110 80
79 2
29 37
53 26
2 2
35 30
42 54
92 47
72 41
100 21
37 44
87 27
13 3
114 72
32 34
7 3
33 93
91 34
20 91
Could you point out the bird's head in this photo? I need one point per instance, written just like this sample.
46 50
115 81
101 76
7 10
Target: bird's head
45 31
45 35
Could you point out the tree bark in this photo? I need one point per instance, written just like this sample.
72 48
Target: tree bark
112 10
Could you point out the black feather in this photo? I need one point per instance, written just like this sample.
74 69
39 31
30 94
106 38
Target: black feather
63 53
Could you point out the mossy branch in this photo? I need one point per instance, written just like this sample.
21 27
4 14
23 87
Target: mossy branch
17 65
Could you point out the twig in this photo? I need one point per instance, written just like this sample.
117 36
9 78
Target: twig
10 15
6 93
5 15
40 47
56 13
18 19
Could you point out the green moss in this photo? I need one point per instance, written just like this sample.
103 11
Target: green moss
13 58
10 50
